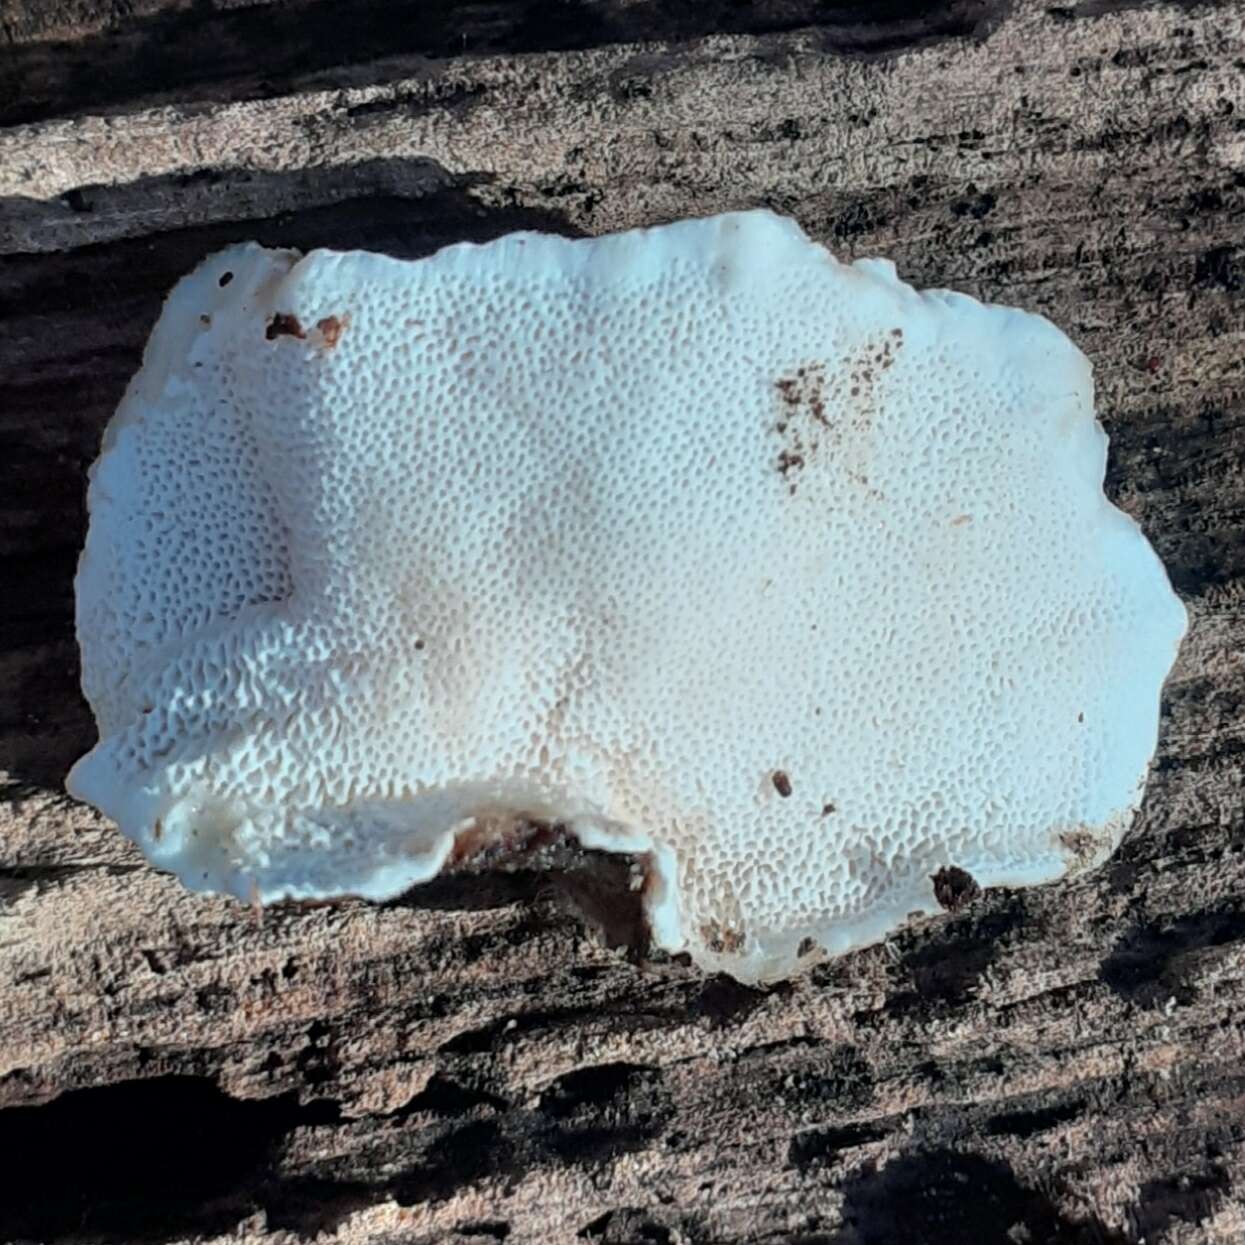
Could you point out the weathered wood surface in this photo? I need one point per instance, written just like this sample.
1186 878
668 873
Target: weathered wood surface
474 1062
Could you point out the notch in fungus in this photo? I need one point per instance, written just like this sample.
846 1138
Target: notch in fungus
283 324
501 551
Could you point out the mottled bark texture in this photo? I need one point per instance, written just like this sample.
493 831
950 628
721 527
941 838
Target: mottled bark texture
478 1062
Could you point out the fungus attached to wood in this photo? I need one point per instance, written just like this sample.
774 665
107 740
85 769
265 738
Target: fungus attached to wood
524 545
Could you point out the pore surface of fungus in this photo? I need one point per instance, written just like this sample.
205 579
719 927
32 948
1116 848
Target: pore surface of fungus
691 539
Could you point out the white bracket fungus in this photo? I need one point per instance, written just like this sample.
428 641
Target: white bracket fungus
691 539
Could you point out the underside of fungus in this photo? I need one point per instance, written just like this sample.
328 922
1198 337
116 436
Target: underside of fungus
795 581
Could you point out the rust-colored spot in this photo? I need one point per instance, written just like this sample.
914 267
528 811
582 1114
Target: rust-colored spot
782 784
331 328
225 278
283 325
954 888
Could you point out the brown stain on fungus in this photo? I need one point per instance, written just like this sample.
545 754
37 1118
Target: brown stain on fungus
782 784
283 324
721 939
954 888
503 843
331 328
1084 848
800 391
788 461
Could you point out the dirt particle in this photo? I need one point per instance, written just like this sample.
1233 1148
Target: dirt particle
157 830
807 947
782 784
954 888
827 808
206 321
283 324
961 519
225 278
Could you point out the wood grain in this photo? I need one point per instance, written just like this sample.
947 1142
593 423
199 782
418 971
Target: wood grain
480 1061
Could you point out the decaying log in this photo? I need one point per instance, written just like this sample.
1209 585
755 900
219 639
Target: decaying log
480 1060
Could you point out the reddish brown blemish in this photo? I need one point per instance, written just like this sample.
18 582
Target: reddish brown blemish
789 390
331 328
283 325
782 784
788 461
494 845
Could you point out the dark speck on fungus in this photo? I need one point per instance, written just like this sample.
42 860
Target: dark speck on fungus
283 325
782 784
954 888
225 278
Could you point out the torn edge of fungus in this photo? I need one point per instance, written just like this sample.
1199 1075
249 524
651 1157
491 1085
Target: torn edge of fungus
283 324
